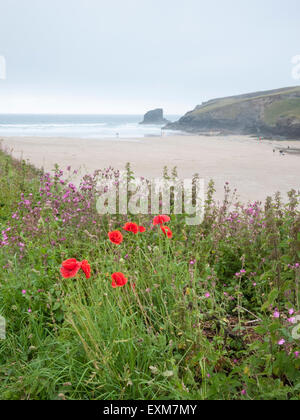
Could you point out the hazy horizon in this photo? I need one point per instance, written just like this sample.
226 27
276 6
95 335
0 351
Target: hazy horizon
91 57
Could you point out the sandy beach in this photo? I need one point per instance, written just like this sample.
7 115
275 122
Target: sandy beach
250 166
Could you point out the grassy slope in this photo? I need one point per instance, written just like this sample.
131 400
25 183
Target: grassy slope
229 108
86 340
285 108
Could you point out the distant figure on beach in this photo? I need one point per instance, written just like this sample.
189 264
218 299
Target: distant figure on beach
117 135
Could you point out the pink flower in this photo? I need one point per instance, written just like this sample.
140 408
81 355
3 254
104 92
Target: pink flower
281 342
292 320
291 311
297 354
244 392
276 314
29 310
23 292
207 295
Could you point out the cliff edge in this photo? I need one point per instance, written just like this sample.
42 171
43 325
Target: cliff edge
269 113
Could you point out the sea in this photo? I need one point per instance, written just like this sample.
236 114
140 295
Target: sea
79 126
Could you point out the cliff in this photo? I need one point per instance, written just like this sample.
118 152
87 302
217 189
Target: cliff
269 113
155 116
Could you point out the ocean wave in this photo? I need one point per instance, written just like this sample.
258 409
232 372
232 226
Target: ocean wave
81 126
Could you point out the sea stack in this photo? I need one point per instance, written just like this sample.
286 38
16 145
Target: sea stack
156 116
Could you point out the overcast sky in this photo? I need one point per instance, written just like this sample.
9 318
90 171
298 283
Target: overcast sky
128 56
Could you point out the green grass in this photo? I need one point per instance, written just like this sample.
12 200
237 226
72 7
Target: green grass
166 339
236 101
288 108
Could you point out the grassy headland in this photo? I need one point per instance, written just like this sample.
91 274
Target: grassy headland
270 113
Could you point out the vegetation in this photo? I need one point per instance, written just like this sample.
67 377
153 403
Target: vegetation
217 104
210 313
289 108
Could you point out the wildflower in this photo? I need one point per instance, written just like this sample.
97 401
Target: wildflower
292 320
115 237
297 354
207 295
167 231
131 227
142 229
86 268
23 292
276 314
243 392
118 280
161 219
291 311
70 268
281 342
29 311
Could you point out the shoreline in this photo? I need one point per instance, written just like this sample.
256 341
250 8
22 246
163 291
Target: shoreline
250 166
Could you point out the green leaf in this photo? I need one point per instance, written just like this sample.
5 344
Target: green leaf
273 295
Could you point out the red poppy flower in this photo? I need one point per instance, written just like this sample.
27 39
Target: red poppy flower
115 237
70 268
167 231
131 227
161 219
86 268
142 229
118 280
